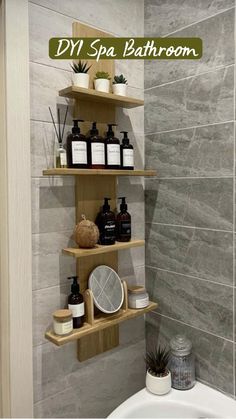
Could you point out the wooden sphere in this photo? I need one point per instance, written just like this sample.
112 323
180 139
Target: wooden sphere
86 234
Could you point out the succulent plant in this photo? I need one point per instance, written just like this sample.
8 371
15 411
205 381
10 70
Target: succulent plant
102 75
119 80
157 361
80 67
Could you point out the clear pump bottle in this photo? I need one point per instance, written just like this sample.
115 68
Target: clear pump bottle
182 363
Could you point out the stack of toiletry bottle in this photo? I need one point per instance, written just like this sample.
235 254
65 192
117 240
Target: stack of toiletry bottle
112 227
95 152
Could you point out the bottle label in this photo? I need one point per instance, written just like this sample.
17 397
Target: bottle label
79 152
77 309
128 157
109 231
142 302
98 153
113 155
62 328
63 161
124 229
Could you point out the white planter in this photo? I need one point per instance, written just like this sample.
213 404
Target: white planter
81 80
119 89
102 85
158 385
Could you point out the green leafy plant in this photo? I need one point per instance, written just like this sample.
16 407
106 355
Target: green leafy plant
80 67
102 75
157 361
119 80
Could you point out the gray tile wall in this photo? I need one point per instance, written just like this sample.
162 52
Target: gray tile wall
63 387
190 206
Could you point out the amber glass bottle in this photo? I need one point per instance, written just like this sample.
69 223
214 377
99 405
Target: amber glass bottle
123 223
112 149
96 149
76 147
76 303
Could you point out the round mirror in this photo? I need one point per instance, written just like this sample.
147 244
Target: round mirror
107 289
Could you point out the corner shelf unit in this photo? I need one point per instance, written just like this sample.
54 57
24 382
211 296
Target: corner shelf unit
100 331
88 95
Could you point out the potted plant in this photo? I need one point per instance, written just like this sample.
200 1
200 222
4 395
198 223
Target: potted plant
119 85
158 378
81 76
102 81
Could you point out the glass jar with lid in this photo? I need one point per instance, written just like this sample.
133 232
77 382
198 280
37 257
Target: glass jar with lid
182 363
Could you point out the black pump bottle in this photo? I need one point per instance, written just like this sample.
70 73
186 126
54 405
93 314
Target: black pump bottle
96 149
126 153
76 147
107 224
76 303
112 149
123 222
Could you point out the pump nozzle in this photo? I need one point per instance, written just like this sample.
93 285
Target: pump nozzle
123 205
106 206
94 130
75 286
125 139
110 132
76 128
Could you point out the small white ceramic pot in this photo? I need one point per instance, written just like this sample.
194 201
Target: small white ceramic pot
158 385
102 85
119 89
81 80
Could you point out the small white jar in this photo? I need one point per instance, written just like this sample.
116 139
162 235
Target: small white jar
137 297
62 322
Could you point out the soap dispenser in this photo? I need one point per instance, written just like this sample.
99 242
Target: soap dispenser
112 149
123 222
126 153
106 224
77 152
76 303
96 149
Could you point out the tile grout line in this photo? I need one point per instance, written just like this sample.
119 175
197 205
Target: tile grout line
190 227
189 325
191 127
189 276
190 177
190 77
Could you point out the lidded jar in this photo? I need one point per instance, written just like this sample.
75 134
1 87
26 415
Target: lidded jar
182 363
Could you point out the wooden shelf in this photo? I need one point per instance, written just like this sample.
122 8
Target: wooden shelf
101 322
98 250
91 95
96 172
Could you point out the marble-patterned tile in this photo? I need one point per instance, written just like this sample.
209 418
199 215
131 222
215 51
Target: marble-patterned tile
126 365
52 365
130 259
202 151
49 266
131 119
162 18
65 404
214 355
128 21
191 202
45 302
217 35
53 204
201 304
45 82
201 100
133 71
205 254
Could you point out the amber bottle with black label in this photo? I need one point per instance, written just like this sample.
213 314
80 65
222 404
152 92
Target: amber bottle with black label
106 223
123 223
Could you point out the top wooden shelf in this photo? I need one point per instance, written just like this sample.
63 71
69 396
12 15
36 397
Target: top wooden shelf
101 97
98 172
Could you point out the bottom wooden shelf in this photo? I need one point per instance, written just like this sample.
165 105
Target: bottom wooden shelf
103 321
